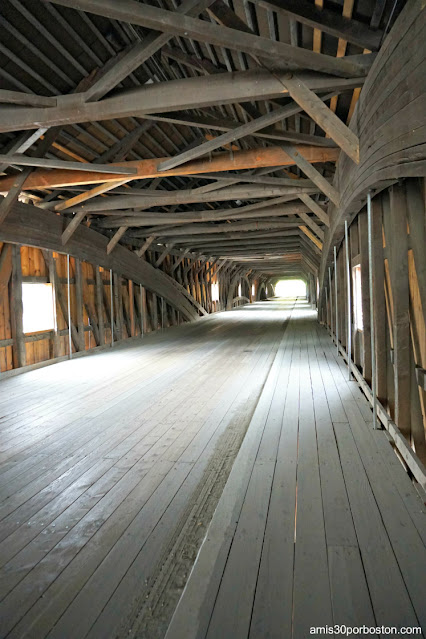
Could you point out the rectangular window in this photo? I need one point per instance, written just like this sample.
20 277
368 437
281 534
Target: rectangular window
357 292
253 290
239 290
37 301
215 291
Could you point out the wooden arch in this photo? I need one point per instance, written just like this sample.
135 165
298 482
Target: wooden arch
32 226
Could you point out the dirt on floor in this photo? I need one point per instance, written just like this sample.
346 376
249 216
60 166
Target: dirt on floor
159 598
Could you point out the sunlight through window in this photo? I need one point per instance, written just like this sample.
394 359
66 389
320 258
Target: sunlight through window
356 283
37 301
290 288
215 292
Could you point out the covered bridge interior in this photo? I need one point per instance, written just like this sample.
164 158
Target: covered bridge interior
185 454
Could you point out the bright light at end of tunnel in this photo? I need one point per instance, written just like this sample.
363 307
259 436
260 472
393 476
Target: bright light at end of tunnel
290 288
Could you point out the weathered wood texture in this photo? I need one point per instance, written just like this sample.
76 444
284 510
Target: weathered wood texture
389 122
31 226
153 432
314 526
398 232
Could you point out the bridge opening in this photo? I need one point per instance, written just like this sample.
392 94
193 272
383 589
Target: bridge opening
290 288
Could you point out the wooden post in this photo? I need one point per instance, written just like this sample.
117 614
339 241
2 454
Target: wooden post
336 298
349 303
132 309
111 291
69 308
52 279
17 311
398 254
365 295
118 304
371 294
379 299
99 305
142 308
79 304
154 312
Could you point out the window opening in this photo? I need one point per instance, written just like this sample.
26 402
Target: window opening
38 307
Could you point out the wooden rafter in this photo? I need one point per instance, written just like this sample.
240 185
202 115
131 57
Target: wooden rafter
324 117
271 156
181 25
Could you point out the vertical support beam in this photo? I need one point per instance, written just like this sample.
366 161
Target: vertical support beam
326 307
371 293
69 308
142 308
118 303
336 299
52 279
79 304
111 292
348 287
154 312
398 253
17 310
132 309
331 300
365 296
99 305
379 325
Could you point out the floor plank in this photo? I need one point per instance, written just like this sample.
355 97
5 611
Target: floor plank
243 426
339 541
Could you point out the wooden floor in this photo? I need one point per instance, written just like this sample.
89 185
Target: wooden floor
105 460
318 523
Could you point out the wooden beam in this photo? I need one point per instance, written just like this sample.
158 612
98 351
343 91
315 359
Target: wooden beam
139 53
163 255
200 229
274 207
236 133
79 304
167 198
309 170
26 99
99 304
175 95
19 181
256 158
416 221
328 21
398 267
17 311
116 238
311 236
72 226
25 160
379 298
312 225
5 267
203 31
315 208
52 279
141 252
88 195
324 117
63 303
365 297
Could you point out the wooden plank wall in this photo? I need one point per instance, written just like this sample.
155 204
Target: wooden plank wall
399 301
136 310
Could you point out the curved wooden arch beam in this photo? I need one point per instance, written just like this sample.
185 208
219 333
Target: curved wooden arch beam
32 226
255 158
390 127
